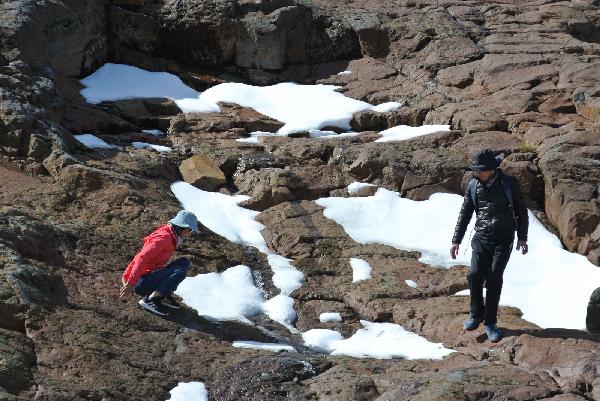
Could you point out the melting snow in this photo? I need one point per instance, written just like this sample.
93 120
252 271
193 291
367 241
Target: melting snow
144 145
361 270
411 283
264 346
193 391
375 340
332 317
404 132
92 141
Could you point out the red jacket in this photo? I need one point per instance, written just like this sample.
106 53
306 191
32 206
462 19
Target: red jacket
158 248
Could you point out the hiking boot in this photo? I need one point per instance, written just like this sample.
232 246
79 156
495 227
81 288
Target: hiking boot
153 305
170 302
493 333
472 323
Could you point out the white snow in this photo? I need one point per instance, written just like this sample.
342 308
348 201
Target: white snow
347 72
92 141
281 309
386 218
404 132
302 108
264 346
331 317
427 227
193 391
387 107
144 145
375 340
118 82
286 277
361 270
221 214
411 283
321 340
357 186
230 295
155 132
254 136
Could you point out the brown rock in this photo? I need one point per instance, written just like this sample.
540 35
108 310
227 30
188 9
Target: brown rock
202 172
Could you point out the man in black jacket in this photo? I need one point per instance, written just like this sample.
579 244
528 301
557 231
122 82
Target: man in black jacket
500 210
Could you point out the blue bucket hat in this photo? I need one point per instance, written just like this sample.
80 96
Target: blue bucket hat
185 219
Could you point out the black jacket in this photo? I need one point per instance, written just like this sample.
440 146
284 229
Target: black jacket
495 218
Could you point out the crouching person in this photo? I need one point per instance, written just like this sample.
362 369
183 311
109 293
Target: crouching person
149 275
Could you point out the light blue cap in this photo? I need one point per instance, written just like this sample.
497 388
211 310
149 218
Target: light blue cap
185 219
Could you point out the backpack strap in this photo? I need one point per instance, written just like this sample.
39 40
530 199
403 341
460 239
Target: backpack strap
473 192
507 189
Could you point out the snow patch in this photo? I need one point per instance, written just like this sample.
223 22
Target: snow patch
155 132
387 107
361 270
411 283
230 295
375 340
221 214
286 277
357 186
331 317
264 346
192 391
144 145
404 132
92 141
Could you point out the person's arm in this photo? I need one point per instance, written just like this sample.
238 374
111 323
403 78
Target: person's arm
521 213
464 217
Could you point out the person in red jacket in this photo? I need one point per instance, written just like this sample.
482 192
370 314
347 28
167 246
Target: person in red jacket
149 275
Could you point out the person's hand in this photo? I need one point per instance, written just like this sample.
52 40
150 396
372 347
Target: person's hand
522 246
125 290
454 251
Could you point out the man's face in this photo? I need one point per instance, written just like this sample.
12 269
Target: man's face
484 175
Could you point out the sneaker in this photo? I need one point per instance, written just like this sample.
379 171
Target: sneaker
170 302
472 323
493 333
153 305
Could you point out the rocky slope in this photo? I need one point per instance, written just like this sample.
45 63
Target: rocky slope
518 77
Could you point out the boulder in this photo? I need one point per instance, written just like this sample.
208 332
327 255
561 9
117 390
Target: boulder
592 321
587 104
202 172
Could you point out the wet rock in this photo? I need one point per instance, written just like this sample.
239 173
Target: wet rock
202 172
270 378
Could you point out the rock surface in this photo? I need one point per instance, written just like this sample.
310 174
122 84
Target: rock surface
518 77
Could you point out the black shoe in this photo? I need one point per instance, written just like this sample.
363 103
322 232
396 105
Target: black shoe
153 305
170 302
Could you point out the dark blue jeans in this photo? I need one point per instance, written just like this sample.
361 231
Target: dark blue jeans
164 280
488 262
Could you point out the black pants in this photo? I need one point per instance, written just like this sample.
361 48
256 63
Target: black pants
488 261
